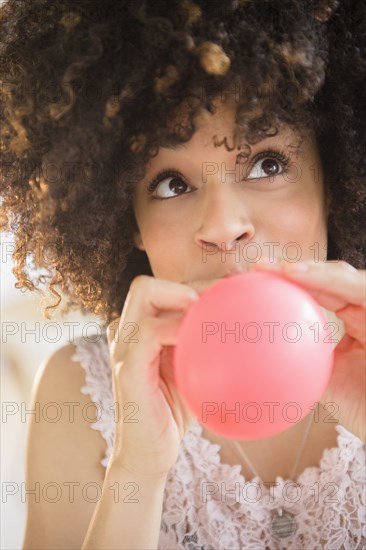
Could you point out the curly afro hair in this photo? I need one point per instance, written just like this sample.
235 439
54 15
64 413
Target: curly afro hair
89 93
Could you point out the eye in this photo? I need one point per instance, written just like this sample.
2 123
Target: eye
268 163
167 182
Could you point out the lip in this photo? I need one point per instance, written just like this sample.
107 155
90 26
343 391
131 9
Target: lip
236 272
231 274
225 276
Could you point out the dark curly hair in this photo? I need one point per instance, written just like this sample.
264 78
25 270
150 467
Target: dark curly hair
91 89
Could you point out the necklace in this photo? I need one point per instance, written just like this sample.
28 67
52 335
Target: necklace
283 524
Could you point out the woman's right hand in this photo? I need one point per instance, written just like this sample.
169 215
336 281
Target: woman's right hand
142 374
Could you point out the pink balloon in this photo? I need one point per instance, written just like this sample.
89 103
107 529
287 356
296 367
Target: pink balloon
254 355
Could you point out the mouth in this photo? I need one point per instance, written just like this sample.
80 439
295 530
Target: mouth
225 276
234 273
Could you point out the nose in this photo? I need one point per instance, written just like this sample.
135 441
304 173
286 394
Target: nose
225 220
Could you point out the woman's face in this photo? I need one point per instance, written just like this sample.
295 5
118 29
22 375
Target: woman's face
218 216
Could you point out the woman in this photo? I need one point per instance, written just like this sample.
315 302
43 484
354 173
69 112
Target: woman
171 137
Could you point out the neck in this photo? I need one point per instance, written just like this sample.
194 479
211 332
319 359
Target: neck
284 440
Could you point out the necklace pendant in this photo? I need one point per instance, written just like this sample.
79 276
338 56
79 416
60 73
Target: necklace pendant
283 524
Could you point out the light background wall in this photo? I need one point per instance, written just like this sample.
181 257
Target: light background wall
27 339
21 354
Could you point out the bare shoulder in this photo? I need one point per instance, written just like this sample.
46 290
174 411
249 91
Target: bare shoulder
63 455
60 365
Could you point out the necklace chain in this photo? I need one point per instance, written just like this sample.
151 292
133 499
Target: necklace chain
283 523
299 454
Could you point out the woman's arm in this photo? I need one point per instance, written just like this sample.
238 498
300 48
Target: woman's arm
64 477
63 470
128 516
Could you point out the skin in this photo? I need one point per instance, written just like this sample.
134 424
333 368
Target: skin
184 236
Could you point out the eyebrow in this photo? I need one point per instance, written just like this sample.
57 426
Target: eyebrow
180 146
294 146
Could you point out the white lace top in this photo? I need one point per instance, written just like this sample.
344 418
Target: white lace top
211 506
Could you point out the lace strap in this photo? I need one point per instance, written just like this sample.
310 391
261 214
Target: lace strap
93 355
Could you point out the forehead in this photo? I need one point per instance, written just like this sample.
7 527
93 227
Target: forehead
218 134
222 127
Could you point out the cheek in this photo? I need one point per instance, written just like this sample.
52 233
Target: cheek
164 245
160 232
301 222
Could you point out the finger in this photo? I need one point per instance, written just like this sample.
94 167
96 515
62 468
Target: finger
137 360
354 321
326 300
112 329
147 296
338 279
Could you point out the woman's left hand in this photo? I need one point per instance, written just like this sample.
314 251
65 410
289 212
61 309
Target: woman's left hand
339 287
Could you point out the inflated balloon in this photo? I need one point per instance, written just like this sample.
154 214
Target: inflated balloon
254 355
